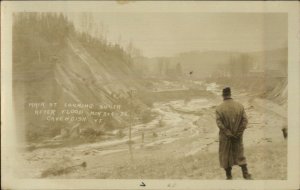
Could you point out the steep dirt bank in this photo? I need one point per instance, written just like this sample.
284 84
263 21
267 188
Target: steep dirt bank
272 88
55 63
279 94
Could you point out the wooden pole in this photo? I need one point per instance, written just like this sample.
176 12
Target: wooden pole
131 110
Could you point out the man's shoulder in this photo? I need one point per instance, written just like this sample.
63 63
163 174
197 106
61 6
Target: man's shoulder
220 106
225 105
238 105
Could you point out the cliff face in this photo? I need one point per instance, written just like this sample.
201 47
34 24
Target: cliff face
53 63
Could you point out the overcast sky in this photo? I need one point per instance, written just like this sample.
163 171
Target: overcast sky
166 34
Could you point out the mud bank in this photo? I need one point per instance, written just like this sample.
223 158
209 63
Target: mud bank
182 131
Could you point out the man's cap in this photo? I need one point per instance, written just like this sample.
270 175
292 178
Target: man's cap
226 91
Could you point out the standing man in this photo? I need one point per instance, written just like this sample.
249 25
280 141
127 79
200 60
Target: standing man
232 121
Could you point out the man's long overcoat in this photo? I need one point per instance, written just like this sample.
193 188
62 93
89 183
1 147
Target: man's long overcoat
231 117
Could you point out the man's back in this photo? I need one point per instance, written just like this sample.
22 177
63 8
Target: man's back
231 114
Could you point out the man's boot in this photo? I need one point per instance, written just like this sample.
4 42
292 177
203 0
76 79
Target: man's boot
246 174
228 173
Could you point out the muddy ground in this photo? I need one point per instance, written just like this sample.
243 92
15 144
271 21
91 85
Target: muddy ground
181 143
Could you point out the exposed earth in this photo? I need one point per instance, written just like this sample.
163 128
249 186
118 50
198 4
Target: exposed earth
181 143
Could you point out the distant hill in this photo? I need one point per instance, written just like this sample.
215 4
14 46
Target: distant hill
204 64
